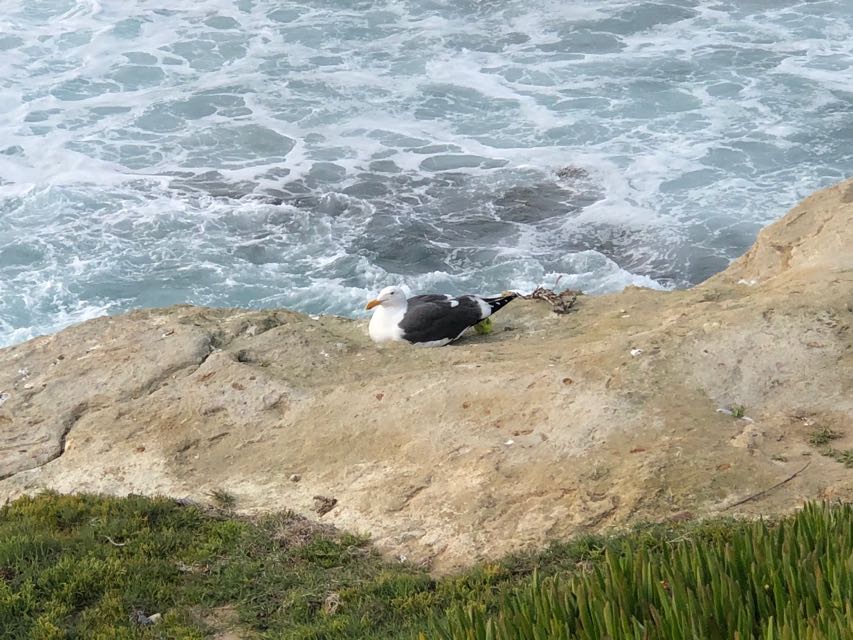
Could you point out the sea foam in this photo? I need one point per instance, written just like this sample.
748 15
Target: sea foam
307 154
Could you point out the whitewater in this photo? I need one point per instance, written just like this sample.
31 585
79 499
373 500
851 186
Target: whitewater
260 153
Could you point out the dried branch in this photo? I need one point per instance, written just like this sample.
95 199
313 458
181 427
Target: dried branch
769 489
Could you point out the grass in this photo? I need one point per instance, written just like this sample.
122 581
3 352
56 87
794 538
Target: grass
822 436
738 410
222 499
81 566
844 456
84 566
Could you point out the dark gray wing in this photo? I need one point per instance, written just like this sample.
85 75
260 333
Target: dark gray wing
434 317
429 297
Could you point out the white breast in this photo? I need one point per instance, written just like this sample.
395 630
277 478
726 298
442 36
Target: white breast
384 324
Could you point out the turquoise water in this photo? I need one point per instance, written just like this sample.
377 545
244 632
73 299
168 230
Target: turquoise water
263 153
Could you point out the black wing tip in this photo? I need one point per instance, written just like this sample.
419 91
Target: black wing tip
502 300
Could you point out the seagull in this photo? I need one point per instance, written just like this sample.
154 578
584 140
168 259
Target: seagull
431 320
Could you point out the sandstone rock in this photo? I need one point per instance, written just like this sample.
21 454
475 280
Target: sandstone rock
568 423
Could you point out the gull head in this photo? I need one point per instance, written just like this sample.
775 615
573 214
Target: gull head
390 297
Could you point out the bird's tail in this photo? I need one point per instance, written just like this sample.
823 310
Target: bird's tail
498 302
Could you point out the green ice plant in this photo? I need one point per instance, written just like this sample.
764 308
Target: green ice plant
793 581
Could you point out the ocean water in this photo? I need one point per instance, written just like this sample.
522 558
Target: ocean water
265 153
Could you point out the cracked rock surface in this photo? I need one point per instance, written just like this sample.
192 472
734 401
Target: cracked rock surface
552 425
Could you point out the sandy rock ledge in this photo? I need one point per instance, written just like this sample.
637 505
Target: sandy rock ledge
550 426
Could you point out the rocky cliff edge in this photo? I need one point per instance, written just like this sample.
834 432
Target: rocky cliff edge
642 405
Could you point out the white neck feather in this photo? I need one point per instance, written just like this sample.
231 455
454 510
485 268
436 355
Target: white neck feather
384 325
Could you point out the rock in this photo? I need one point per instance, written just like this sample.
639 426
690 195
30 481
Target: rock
322 504
749 438
231 398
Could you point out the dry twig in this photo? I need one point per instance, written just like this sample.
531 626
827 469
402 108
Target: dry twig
769 489
560 302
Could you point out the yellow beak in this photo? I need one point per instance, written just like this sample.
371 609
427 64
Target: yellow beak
373 303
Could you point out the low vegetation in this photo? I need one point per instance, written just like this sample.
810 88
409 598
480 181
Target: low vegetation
822 436
793 581
97 567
